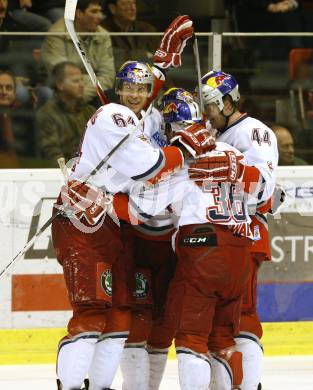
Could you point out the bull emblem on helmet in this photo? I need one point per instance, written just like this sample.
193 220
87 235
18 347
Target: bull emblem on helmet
215 82
135 73
169 108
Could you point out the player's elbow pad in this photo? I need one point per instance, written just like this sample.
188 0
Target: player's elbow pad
174 160
121 209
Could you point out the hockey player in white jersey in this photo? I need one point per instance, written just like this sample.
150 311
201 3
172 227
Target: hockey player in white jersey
199 304
174 111
92 245
258 144
88 243
155 259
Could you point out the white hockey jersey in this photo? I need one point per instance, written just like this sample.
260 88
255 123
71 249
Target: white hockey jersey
153 129
190 204
258 144
160 227
136 159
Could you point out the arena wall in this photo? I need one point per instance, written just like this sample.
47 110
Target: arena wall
34 308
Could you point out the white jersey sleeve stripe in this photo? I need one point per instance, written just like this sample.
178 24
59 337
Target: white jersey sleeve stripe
137 211
153 170
153 231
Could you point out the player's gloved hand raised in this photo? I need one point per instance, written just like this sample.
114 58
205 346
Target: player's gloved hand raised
173 43
216 166
86 201
196 139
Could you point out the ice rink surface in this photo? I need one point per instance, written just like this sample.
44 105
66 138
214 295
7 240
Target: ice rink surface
280 373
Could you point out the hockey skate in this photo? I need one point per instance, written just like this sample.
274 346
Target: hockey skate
86 385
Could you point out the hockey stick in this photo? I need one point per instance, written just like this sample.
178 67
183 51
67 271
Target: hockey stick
63 209
197 63
63 168
27 246
69 16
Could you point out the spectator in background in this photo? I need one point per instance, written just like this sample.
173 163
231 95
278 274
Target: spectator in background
50 9
56 49
62 119
3 12
36 15
7 101
286 147
271 16
267 15
18 55
16 124
122 17
6 24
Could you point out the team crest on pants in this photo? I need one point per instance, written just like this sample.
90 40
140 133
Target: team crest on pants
106 282
142 286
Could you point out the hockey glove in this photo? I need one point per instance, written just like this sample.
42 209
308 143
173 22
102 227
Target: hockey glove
196 139
173 43
217 166
86 201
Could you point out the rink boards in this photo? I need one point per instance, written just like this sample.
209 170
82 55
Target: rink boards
33 302
39 345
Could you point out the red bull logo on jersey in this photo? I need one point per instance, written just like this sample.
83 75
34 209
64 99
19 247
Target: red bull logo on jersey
171 107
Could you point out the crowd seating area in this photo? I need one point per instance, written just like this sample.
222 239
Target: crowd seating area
275 73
